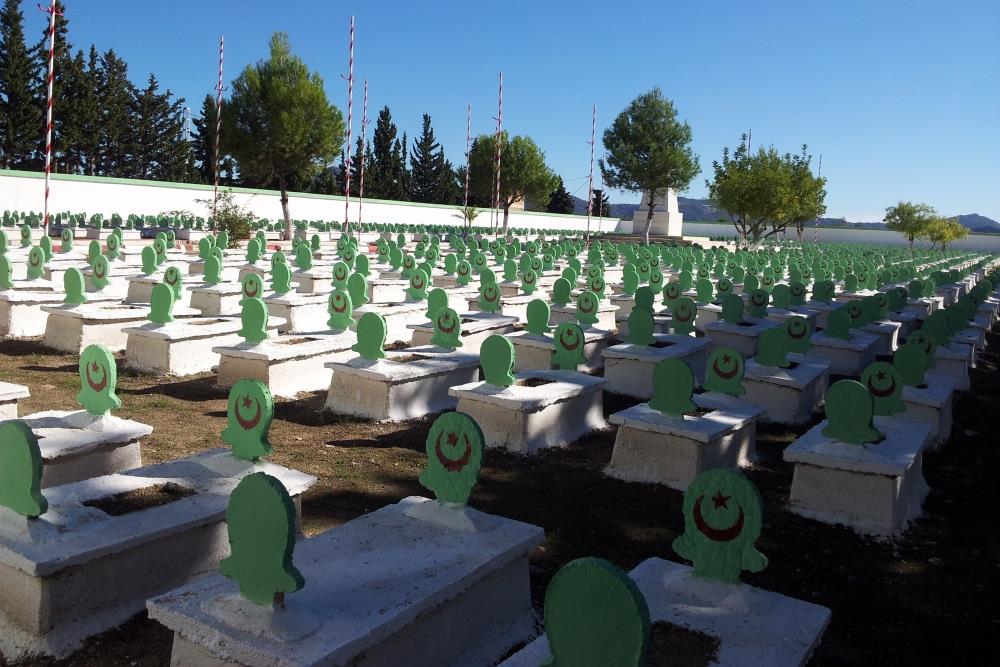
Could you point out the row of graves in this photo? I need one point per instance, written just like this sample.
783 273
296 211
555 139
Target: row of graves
513 341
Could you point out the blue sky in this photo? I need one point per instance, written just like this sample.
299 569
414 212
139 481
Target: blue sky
901 97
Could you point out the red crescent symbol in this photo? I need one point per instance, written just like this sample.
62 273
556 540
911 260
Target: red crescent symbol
490 290
453 465
715 534
96 386
443 329
417 282
686 317
462 271
562 339
725 375
796 336
99 270
589 309
247 424
882 393
340 274
246 288
33 259
333 304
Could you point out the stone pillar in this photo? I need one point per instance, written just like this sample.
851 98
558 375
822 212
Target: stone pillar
667 218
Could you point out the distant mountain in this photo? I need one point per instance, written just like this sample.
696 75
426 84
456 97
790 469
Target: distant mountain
702 210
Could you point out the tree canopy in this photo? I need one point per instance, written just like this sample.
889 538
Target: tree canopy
523 172
278 125
649 150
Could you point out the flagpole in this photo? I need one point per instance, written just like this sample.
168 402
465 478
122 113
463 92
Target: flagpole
364 145
218 128
48 110
350 131
590 186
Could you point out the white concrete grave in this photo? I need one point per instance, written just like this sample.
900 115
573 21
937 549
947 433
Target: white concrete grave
875 488
399 318
846 357
70 329
10 394
541 409
476 327
629 368
76 445
21 314
755 628
78 570
288 365
301 313
606 313
931 404
218 300
954 360
534 351
184 346
654 447
787 395
407 384
742 337
393 587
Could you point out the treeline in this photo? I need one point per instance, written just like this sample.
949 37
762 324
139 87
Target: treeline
105 125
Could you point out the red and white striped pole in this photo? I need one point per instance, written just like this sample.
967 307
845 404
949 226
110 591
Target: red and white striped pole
468 149
350 130
48 109
590 186
218 126
496 196
364 145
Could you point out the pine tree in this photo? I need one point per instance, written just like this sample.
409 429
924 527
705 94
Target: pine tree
115 95
560 201
449 190
157 149
384 176
203 147
426 166
600 208
20 113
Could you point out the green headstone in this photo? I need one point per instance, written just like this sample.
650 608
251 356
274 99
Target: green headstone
36 263
340 307
254 320
595 616
341 274
98 381
248 419
781 296
454 456
570 341
21 470
630 279
773 347
25 236
538 314
447 328
644 298
73 285
172 278
418 285
281 278
886 387
464 273
6 273
303 257
640 327
849 410
759 299
587 305
673 386
732 309
161 304
683 314
66 239
838 324
529 282
261 523
725 372
797 294
213 269
45 243
489 298
910 361
799 333
705 292
722 522
496 357
253 287
372 331
561 289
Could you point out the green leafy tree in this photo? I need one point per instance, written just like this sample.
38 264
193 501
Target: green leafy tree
649 150
560 201
386 178
278 124
20 114
944 231
909 219
808 191
523 172
157 149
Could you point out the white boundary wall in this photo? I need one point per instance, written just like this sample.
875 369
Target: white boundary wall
24 191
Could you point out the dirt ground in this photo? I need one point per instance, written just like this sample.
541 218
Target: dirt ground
927 598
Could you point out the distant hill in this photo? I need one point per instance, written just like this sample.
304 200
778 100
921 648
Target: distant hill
702 210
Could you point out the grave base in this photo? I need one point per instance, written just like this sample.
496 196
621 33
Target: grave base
742 337
876 489
10 394
787 395
653 447
533 352
931 405
629 368
476 327
605 315
524 419
287 367
846 357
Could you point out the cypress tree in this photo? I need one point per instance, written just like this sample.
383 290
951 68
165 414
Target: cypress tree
20 113
384 175
560 201
426 166
116 94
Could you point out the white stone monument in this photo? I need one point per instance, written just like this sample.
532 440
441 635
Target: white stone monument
667 217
